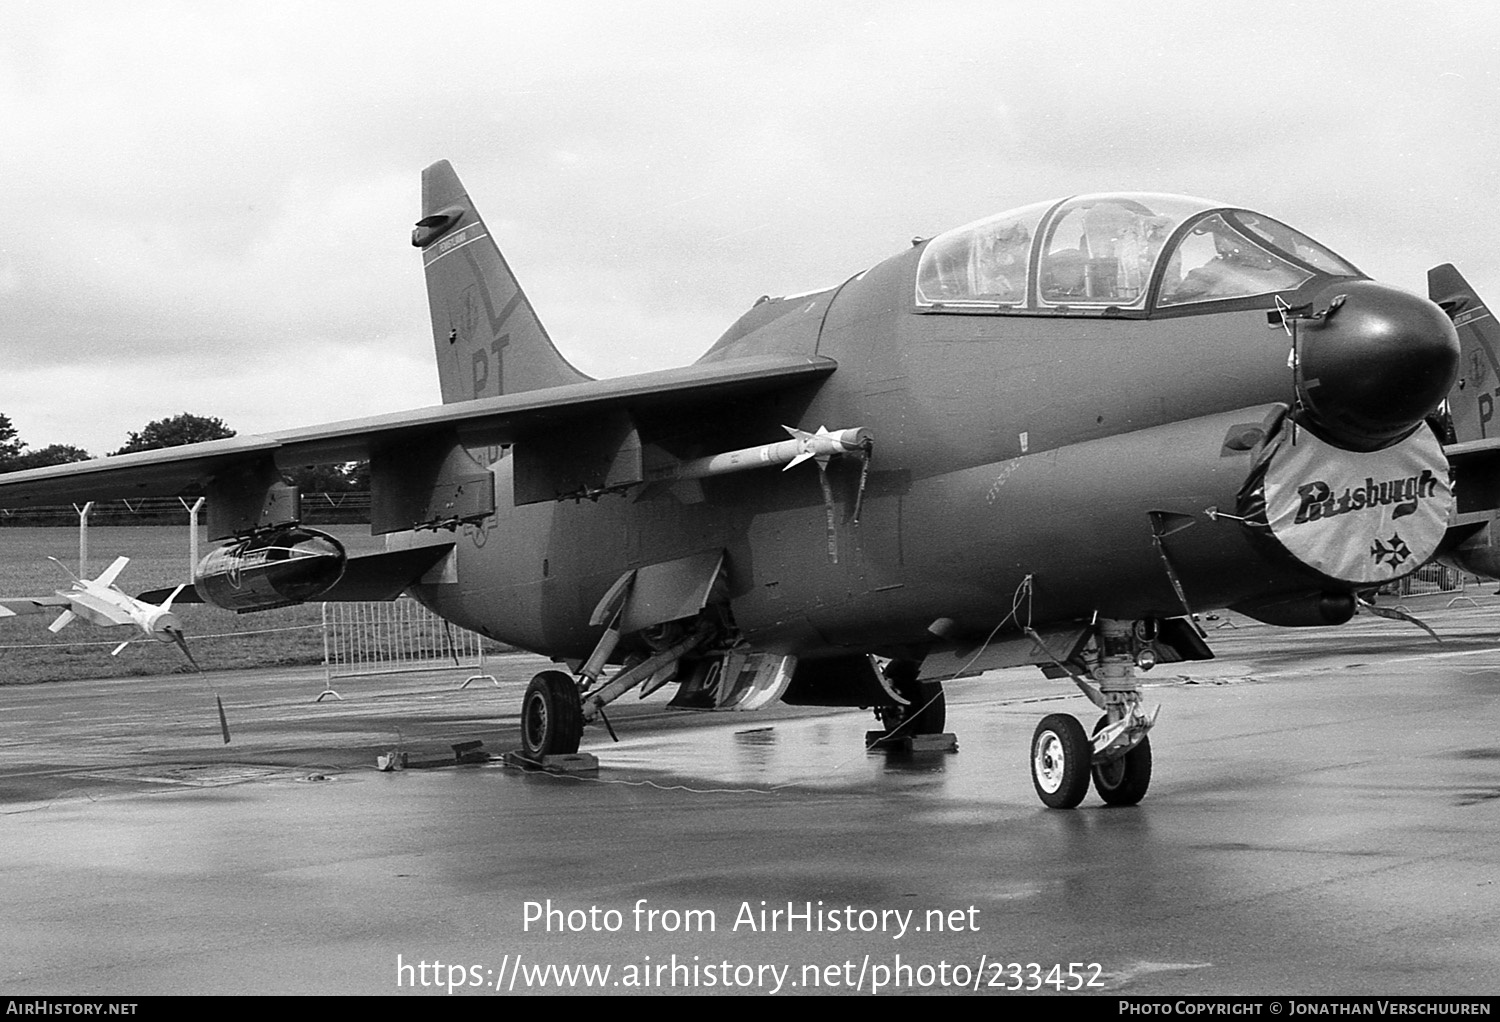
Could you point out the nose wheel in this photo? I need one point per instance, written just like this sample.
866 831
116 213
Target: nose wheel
1123 781
1118 757
1060 757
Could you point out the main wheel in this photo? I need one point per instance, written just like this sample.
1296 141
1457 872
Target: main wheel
551 716
1060 755
1124 781
927 712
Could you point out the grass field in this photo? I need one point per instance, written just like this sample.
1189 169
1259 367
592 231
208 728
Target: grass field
220 640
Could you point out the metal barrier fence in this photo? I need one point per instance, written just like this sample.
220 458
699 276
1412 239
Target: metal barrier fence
1430 579
397 637
328 508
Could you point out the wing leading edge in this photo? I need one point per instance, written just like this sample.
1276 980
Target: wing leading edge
505 419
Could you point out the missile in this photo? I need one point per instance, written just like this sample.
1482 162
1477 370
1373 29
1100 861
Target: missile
803 446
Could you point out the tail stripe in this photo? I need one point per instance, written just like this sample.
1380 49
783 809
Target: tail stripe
450 245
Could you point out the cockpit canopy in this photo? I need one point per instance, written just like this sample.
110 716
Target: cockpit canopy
1117 251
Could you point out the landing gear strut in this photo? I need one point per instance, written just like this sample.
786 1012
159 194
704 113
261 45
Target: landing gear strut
555 707
1119 756
926 712
1123 781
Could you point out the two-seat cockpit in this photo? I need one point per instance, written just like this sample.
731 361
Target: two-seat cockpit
1118 253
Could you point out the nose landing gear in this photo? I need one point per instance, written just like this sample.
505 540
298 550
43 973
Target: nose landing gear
1118 758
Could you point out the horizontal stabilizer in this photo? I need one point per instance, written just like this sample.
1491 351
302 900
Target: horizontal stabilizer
368 578
384 576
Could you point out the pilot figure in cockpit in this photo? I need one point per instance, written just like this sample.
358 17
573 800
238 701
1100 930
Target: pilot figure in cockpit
998 267
1238 268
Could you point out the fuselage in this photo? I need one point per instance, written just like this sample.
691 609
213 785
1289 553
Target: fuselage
1027 443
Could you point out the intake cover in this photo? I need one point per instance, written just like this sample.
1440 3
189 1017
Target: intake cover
1356 518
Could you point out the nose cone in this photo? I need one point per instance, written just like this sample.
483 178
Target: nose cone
1375 365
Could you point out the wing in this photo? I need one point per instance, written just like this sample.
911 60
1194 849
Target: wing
587 413
98 611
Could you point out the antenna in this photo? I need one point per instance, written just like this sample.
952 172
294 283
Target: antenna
64 567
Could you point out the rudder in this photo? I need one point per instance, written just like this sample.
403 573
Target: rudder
487 336
1473 398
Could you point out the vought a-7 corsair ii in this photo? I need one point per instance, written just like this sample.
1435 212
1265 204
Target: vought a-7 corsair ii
1049 437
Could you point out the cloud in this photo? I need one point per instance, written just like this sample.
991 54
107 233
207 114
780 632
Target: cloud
197 187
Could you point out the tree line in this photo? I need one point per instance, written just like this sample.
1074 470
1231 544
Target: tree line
174 431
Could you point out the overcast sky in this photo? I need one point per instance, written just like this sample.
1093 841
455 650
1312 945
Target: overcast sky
206 207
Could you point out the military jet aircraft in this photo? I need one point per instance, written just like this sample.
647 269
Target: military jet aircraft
1049 437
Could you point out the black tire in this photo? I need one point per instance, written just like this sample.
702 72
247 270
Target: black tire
551 716
1060 755
928 712
1124 782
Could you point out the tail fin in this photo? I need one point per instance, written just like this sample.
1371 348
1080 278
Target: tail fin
108 575
488 338
1472 400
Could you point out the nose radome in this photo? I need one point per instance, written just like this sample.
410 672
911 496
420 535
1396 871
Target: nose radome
1372 367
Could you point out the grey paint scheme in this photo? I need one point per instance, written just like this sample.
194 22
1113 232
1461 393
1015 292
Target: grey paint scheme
1123 417
1006 447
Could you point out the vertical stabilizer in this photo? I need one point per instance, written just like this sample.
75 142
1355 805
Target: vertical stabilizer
108 576
1473 399
488 338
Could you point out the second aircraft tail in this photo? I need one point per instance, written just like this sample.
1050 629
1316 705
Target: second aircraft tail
1473 398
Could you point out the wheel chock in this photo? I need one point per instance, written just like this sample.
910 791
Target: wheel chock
880 741
575 764
469 752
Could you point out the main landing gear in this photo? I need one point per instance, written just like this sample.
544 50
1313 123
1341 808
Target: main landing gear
555 708
551 716
1118 756
926 709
